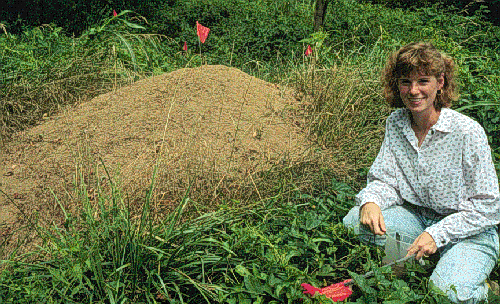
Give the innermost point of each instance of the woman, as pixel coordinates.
(433, 179)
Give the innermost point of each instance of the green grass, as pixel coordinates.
(259, 253)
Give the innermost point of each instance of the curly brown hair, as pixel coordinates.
(425, 59)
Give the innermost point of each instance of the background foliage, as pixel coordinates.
(256, 36)
(462, 7)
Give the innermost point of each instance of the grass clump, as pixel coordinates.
(255, 254)
(342, 105)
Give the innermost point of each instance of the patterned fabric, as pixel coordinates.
(451, 173)
(465, 264)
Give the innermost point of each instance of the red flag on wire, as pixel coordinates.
(336, 292)
(309, 51)
(114, 13)
(185, 47)
(202, 32)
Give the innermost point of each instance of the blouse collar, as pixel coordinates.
(444, 123)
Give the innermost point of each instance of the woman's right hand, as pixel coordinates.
(371, 216)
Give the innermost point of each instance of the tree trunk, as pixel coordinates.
(319, 14)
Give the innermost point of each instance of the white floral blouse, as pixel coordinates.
(452, 173)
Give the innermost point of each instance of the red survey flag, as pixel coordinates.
(185, 47)
(309, 51)
(202, 32)
(336, 292)
(114, 13)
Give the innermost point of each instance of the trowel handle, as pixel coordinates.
(400, 260)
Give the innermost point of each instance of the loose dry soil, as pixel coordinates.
(213, 127)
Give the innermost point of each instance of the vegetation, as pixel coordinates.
(43, 70)
(261, 251)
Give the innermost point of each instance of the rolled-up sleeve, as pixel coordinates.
(382, 184)
(480, 208)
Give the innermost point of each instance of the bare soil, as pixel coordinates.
(211, 129)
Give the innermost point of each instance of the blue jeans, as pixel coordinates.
(465, 264)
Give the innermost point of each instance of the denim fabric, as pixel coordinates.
(463, 266)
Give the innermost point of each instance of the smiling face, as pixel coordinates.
(418, 92)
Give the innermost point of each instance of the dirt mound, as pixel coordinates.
(211, 128)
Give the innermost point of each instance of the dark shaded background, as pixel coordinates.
(77, 15)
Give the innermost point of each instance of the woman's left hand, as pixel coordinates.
(424, 245)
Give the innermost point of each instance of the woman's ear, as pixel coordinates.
(440, 81)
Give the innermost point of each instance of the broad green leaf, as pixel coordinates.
(362, 283)
(133, 25)
(242, 271)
